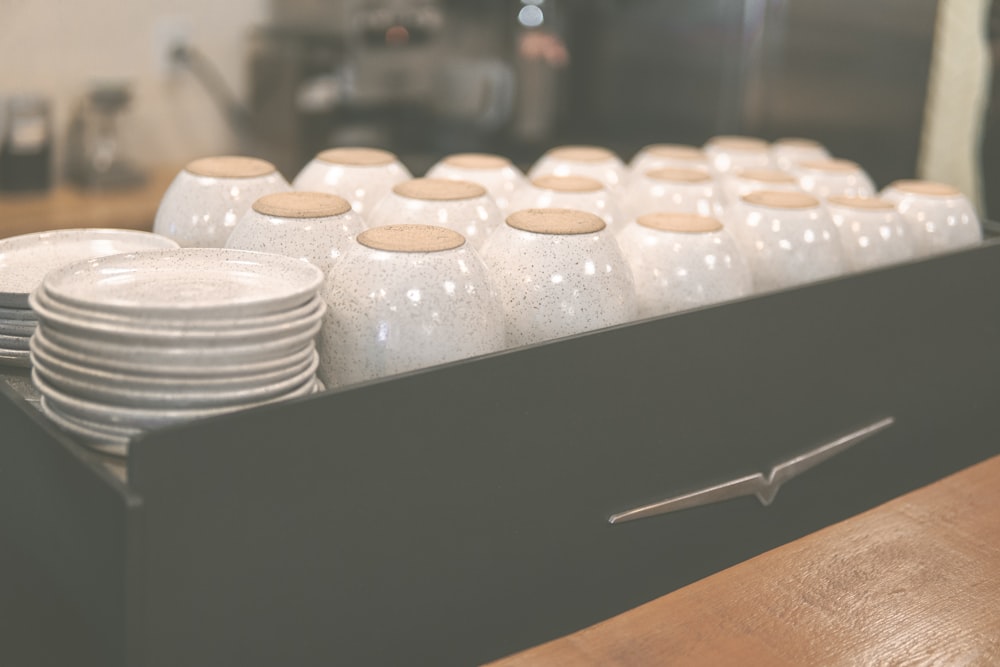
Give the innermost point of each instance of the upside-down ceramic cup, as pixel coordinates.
(362, 176)
(210, 195)
(494, 172)
(681, 261)
(728, 152)
(787, 239)
(787, 152)
(406, 297)
(590, 161)
(559, 272)
(834, 177)
(314, 226)
(744, 180)
(872, 232)
(939, 216)
(675, 156)
(576, 192)
(458, 205)
(673, 190)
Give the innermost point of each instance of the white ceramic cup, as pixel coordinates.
(872, 232)
(939, 216)
(833, 177)
(744, 180)
(675, 156)
(362, 176)
(406, 297)
(314, 226)
(494, 172)
(590, 161)
(728, 152)
(575, 192)
(787, 238)
(210, 195)
(682, 261)
(559, 272)
(788, 151)
(458, 205)
(672, 190)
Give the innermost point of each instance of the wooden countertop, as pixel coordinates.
(66, 207)
(914, 581)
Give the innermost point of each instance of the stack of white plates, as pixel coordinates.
(143, 340)
(24, 261)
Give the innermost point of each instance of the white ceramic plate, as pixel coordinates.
(169, 397)
(14, 342)
(117, 319)
(188, 283)
(10, 357)
(220, 353)
(147, 336)
(17, 314)
(152, 383)
(174, 368)
(103, 440)
(24, 260)
(17, 327)
(145, 418)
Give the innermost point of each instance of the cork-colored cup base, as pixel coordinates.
(485, 161)
(411, 238)
(567, 183)
(562, 221)
(438, 189)
(678, 175)
(685, 223)
(357, 156)
(230, 166)
(864, 203)
(301, 205)
(774, 199)
(929, 188)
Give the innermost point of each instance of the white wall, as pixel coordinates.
(56, 47)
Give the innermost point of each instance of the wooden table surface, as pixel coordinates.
(66, 207)
(913, 582)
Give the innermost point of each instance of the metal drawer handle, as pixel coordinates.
(765, 487)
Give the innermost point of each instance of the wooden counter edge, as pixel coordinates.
(913, 581)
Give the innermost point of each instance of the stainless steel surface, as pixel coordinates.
(757, 484)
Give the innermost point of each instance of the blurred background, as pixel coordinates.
(114, 89)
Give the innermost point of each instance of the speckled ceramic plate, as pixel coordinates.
(187, 283)
(145, 335)
(15, 358)
(99, 318)
(14, 342)
(17, 314)
(220, 367)
(26, 259)
(145, 418)
(17, 327)
(169, 397)
(104, 440)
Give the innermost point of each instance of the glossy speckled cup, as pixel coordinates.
(728, 152)
(494, 172)
(672, 190)
(940, 217)
(872, 232)
(581, 193)
(672, 156)
(591, 161)
(406, 297)
(362, 176)
(210, 195)
(559, 272)
(461, 206)
(787, 152)
(313, 226)
(682, 261)
(834, 177)
(787, 239)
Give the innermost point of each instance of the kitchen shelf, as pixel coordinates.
(459, 514)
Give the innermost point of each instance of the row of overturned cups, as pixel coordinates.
(477, 256)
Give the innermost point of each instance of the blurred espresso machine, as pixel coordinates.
(427, 77)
